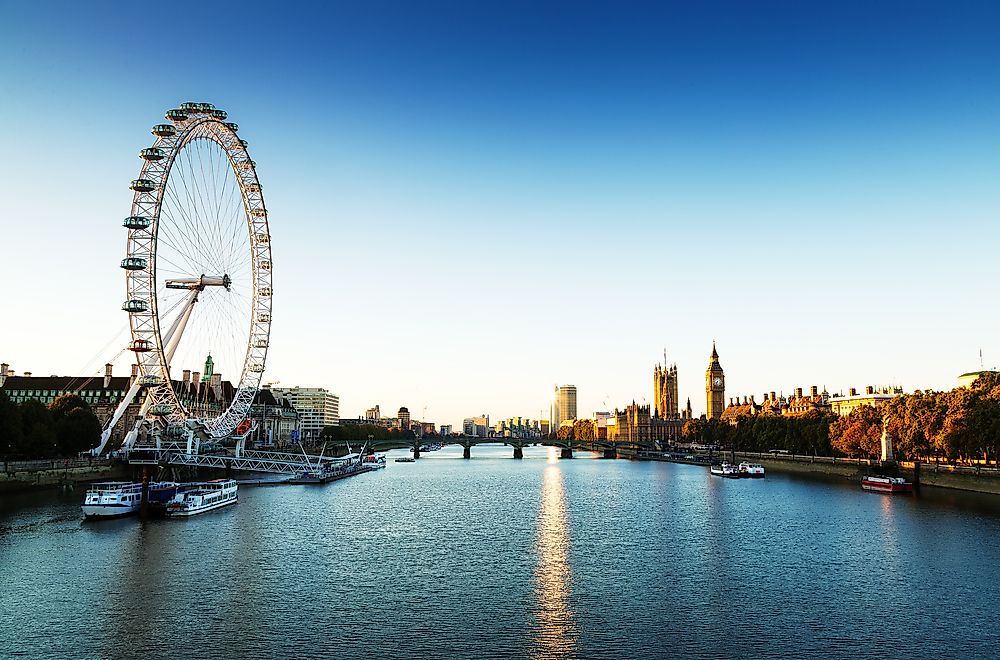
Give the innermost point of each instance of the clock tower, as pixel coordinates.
(715, 387)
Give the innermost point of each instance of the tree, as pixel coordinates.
(691, 431)
(39, 438)
(859, 433)
(77, 431)
(564, 432)
(583, 429)
(76, 426)
(11, 431)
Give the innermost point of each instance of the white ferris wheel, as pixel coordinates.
(197, 271)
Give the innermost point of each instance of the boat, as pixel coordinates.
(202, 497)
(406, 459)
(113, 499)
(727, 470)
(374, 461)
(887, 484)
(751, 470)
(330, 471)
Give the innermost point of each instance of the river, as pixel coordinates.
(498, 558)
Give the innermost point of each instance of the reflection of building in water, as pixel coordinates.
(555, 633)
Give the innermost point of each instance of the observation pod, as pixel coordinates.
(149, 380)
(176, 115)
(263, 318)
(134, 263)
(134, 306)
(143, 185)
(260, 343)
(265, 264)
(257, 368)
(137, 222)
(206, 107)
(258, 213)
(253, 187)
(219, 114)
(264, 292)
(153, 153)
(161, 409)
(263, 238)
(244, 144)
(164, 130)
(141, 346)
(247, 165)
(190, 107)
(231, 126)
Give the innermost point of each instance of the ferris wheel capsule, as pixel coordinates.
(135, 306)
(137, 222)
(134, 263)
(143, 185)
(176, 115)
(160, 409)
(153, 153)
(164, 130)
(140, 346)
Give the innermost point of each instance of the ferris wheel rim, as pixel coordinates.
(199, 121)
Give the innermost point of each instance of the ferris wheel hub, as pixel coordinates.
(199, 282)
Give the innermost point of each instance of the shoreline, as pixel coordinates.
(937, 475)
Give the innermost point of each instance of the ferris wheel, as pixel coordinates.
(197, 272)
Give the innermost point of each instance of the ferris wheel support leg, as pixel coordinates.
(173, 337)
(119, 411)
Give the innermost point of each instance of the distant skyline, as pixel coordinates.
(472, 202)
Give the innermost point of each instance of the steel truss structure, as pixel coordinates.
(154, 345)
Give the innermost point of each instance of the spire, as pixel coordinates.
(715, 353)
(209, 369)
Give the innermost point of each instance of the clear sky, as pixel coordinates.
(472, 201)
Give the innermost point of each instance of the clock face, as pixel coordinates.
(717, 381)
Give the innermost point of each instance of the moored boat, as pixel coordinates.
(203, 497)
(330, 471)
(113, 499)
(751, 470)
(374, 461)
(406, 459)
(727, 470)
(887, 484)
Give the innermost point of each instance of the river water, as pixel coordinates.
(497, 558)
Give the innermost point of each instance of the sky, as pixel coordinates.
(472, 202)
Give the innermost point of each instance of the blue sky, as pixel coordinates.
(473, 201)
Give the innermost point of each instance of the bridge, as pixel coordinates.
(609, 448)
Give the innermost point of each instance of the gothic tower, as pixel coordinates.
(715, 387)
(665, 401)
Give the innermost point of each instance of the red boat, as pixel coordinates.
(887, 484)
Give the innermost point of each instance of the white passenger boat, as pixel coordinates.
(203, 497)
(751, 470)
(112, 499)
(727, 470)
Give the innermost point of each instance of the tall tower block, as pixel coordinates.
(715, 387)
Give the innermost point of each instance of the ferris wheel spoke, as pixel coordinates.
(186, 230)
(191, 213)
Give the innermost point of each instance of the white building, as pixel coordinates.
(317, 408)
